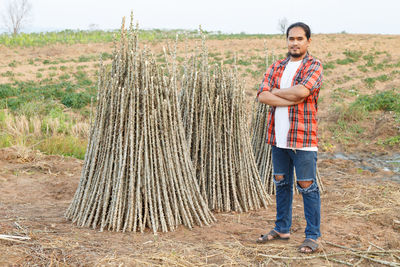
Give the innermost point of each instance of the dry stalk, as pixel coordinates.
(137, 172)
(212, 108)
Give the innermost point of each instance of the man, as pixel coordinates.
(291, 87)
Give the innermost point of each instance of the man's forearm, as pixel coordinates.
(271, 99)
(294, 93)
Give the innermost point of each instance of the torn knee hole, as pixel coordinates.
(278, 177)
(305, 184)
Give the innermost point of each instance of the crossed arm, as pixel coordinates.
(284, 97)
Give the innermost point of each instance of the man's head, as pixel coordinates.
(298, 36)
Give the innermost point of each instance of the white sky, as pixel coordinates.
(250, 16)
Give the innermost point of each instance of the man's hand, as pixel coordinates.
(295, 93)
(271, 99)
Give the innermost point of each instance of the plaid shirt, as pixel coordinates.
(302, 117)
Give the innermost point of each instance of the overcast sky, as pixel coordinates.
(234, 16)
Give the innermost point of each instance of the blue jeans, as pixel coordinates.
(305, 163)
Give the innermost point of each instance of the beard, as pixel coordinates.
(295, 55)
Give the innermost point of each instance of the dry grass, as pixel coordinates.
(171, 253)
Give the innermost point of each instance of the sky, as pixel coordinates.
(228, 16)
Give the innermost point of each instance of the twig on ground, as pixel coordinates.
(14, 238)
(372, 244)
(340, 261)
(388, 263)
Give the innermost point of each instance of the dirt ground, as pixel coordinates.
(360, 211)
(360, 208)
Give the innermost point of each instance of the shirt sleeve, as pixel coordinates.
(312, 78)
(268, 82)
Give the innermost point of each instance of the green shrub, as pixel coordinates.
(6, 90)
(243, 62)
(13, 64)
(328, 65)
(76, 100)
(370, 60)
(8, 74)
(64, 77)
(14, 103)
(106, 56)
(82, 78)
(387, 100)
(85, 58)
(351, 57)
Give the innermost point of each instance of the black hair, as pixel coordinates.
(302, 25)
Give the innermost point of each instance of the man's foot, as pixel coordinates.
(308, 246)
(273, 235)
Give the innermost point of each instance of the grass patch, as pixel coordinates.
(392, 141)
(370, 81)
(329, 65)
(46, 62)
(351, 57)
(8, 74)
(84, 37)
(13, 64)
(64, 145)
(55, 133)
(64, 77)
(74, 95)
(106, 56)
(76, 100)
(386, 101)
(86, 58)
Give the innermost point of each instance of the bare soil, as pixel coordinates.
(359, 211)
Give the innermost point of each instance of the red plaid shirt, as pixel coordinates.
(302, 117)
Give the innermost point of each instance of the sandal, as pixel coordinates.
(309, 243)
(275, 236)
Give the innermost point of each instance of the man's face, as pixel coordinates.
(297, 43)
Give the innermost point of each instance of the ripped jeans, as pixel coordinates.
(305, 164)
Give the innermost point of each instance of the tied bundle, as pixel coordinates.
(137, 172)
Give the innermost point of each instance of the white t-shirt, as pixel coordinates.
(282, 123)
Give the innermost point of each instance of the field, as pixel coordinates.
(47, 98)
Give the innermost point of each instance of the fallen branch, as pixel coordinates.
(14, 238)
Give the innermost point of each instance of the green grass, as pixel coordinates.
(13, 64)
(64, 145)
(351, 57)
(64, 77)
(75, 95)
(347, 126)
(329, 65)
(8, 74)
(370, 81)
(243, 62)
(386, 101)
(87, 58)
(391, 141)
(84, 37)
(370, 60)
(362, 68)
(52, 138)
